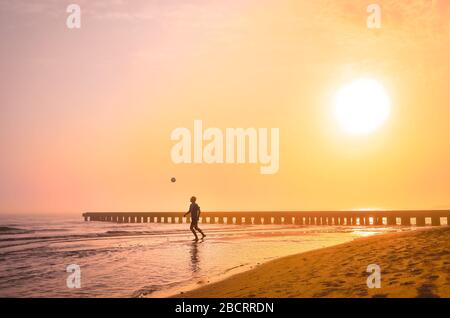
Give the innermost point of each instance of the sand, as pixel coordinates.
(413, 264)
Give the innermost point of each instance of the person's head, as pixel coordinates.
(193, 199)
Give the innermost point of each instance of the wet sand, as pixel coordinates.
(413, 264)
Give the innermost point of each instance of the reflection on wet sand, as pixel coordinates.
(194, 256)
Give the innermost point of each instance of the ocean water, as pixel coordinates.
(136, 260)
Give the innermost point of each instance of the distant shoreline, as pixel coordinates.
(413, 264)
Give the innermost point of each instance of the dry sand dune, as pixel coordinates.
(413, 264)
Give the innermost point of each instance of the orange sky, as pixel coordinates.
(86, 115)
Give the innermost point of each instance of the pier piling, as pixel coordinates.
(307, 218)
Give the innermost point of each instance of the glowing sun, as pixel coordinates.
(362, 106)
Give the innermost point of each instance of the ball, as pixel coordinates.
(173, 179)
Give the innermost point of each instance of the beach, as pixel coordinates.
(144, 259)
(412, 264)
(161, 260)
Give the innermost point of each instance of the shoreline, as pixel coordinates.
(205, 280)
(414, 263)
(201, 282)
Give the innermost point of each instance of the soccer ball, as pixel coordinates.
(173, 179)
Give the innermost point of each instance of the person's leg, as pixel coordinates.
(193, 225)
(201, 232)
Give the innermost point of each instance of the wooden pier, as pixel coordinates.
(362, 218)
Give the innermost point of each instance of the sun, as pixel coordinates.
(362, 106)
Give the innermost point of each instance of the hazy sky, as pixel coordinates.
(86, 114)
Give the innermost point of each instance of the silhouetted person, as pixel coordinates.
(194, 210)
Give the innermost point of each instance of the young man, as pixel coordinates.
(194, 210)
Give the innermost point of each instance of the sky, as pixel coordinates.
(86, 114)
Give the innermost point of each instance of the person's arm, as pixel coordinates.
(199, 212)
(187, 212)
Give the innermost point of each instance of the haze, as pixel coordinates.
(86, 115)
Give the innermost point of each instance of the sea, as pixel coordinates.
(57, 256)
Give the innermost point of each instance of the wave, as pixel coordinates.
(51, 230)
(121, 233)
(4, 230)
(77, 236)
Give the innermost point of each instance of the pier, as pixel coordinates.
(351, 218)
